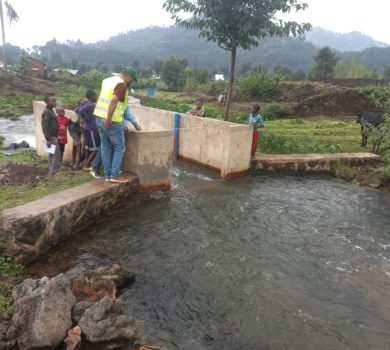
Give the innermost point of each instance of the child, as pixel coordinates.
(63, 122)
(257, 121)
(199, 110)
(50, 129)
(75, 133)
(90, 130)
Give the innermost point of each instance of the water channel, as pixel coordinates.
(15, 131)
(254, 263)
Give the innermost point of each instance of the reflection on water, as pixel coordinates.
(254, 263)
(16, 131)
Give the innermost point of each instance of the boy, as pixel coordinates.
(63, 122)
(50, 129)
(75, 134)
(199, 110)
(257, 121)
(90, 130)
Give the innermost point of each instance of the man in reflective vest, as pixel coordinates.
(109, 110)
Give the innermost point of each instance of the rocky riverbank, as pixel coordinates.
(75, 310)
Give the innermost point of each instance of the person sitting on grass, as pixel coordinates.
(90, 130)
(50, 131)
(63, 122)
(257, 121)
(199, 109)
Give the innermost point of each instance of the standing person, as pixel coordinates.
(257, 121)
(127, 116)
(90, 130)
(109, 109)
(63, 122)
(199, 109)
(75, 133)
(50, 129)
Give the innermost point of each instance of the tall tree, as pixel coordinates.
(234, 24)
(13, 17)
(325, 64)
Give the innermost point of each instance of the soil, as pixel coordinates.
(21, 173)
(13, 84)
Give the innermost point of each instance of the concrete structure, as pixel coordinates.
(32, 229)
(35, 68)
(306, 163)
(148, 153)
(216, 144)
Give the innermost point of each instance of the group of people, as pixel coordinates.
(97, 130)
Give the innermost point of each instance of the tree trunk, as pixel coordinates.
(231, 83)
(3, 35)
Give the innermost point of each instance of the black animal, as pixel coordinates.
(371, 120)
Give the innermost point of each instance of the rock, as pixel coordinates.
(119, 275)
(192, 345)
(12, 333)
(9, 345)
(3, 331)
(23, 144)
(5, 316)
(73, 340)
(13, 146)
(92, 290)
(79, 309)
(42, 312)
(106, 321)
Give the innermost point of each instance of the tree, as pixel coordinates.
(324, 64)
(234, 24)
(173, 73)
(13, 17)
(386, 73)
(22, 63)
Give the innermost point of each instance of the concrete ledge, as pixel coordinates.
(32, 229)
(306, 163)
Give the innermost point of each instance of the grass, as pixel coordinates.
(11, 196)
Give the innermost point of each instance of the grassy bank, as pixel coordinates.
(13, 195)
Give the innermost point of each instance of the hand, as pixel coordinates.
(48, 144)
(107, 123)
(137, 127)
(126, 129)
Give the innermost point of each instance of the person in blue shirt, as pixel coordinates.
(127, 116)
(257, 121)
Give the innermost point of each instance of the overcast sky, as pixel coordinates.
(94, 20)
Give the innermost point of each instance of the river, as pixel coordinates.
(253, 263)
(19, 130)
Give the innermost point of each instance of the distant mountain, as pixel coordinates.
(354, 41)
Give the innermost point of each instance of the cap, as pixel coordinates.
(131, 71)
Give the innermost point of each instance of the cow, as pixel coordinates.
(221, 100)
(368, 121)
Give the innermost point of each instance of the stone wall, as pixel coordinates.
(32, 229)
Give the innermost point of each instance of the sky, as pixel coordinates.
(94, 20)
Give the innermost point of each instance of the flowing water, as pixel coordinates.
(19, 130)
(253, 263)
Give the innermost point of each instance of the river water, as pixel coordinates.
(253, 263)
(19, 130)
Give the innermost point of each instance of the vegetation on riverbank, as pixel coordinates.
(18, 194)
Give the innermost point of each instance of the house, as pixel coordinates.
(74, 72)
(219, 77)
(1, 64)
(35, 68)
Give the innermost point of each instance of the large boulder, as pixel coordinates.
(105, 321)
(42, 312)
(85, 289)
(119, 275)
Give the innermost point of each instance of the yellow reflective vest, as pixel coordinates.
(101, 108)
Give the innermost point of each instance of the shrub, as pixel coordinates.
(273, 111)
(258, 84)
(385, 173)
(378, 94)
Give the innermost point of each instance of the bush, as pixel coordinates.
(385, 174)
(378, 94)
(144, 83)
(258, 84)
(273, 111)
(168, 105)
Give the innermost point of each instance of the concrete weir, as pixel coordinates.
(309, 163)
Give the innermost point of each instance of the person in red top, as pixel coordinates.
(63, 122)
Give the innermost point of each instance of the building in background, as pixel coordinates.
(35, 68)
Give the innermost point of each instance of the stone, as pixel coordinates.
(9, 345)
(119, 275)
(73, 340)
(92, 290)
(79, 309)
(106, 321)
(23, 144)
(42, 312)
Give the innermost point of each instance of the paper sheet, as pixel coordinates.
(50, 150)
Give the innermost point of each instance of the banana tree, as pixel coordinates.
(13, 17)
